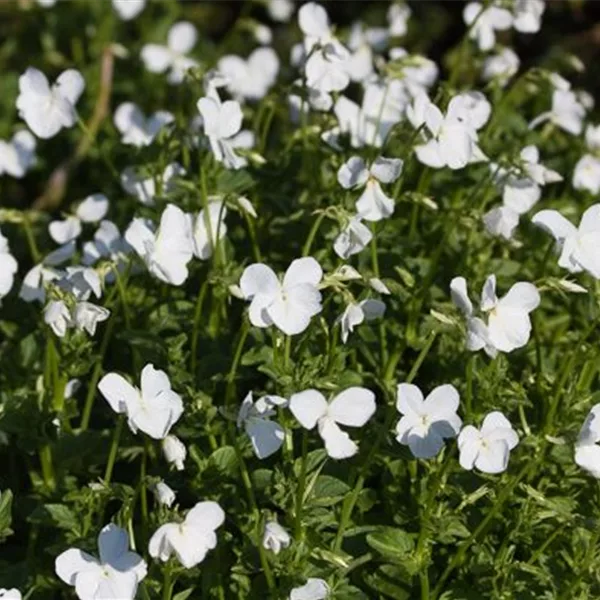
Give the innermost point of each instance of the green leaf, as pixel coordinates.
(224, 460)
(183, 595)
(328, 491)
(55, 515)
(391, 543)
(6, 499)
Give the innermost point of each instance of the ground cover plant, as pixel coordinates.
(293, 310)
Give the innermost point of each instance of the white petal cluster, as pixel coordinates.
(355, 314)
(508, 324)
(587, 450)
(18, 155)
(275, 537)
(352, 407)
(313, 589)
(137, 130)
(251, 78)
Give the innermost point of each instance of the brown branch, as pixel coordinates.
(57, 182)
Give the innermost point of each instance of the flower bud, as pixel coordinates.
(275, 537)
(164, 494)
(174, 451)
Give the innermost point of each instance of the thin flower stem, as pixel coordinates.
(383, 351)
(312, 233)
(114, 446)
(469, 394)
(33, 249)
(168, 583)
(236, 363)
(196, 327)
(252, 233)
(143, 490)
(350, 501)
(298, 530)
(47, 466)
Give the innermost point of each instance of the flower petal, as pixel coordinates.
(353, 407)
(308, 407)
(409, 399)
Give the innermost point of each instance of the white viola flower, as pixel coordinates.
(592, 137)
(501, 66)
(359, 64)
(587, 450)
(587, 174)
(128, 9)
(58, 317)
(397, 16)
(528, 15)
(33, 286)
(288, 304)
(209, 227)
(86, 316)
(164, 494)
(174, 451)
(144, 188)
(66, 230)
(355, 314)
(353, 239)
(262, 34)
(116, 575)
(280, 10)
(419, 73)
(487, 448)
(167, 252)
(453, 141)
(275, 537)
(221, 122)
(173, 57)
(12, 594)
(91, 210)
(81, 282)
(426, 423)
(578, 246)
(373, 204)
(137, 130)
(108, 244)
(484, 21)
(501, 221)
(313, 589)
(191, 540)
(250, 78)
(353, 407)
(153, 409)
(18, 155)
(508, 325)
(8, 267)
(325, 66)
(315, 99)
(255, 417)
(567, 112)
(45, 109)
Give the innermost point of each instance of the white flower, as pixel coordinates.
(251, 78)
(32, 288)
(313, 589)
(353, 407)
(58, 317)
(116, 575)
(167, 252)
(172, 57)
(592, 137)
(164, 494)
(191, 540)
(209, 227)
(154, 409)
(174, 451)
(266, 436)
(87, 316)
(397, 16)
(275, 537)
(419, 73)
(485, 21)
(8, 267)
(45, 109)
(221, 122)
(587, 450)
(587, 174)
(288, 304)
(578, 246)
(108, 243)
(355, 314)
(18, 155)
(508, 326)
(144, 188)
(487, 448)
(373, 204)
(128, 9)
(454, 135)
(567, 112)
(12, 594)
(501, 66)
(137, 130)
(353, 239)
(379, 286)
(325, 68)
(528, 15)
(81, 282)
(280, 10)
(426, 423)
(90, 210)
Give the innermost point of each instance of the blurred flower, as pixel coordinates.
(280, 10)
(484, 21)
(18, 155)
(397, 16)
(12, 594)
(501, 66)
(275, 537)
(116, 574)
(154, 409)
(87, 316)
(191, 540)
(313, 589)
(58, 317)
(174, 451)
(137, 130)
(355, 314)
(587, 451)
(128, 9)
(567, 112)
(587, 174)
(90, 210)
(45, 109)
(487, 448)
(144, 188)
(353, 407)
(8, 267)
(209, 228)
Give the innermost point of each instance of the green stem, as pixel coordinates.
(196, 327)
(312, 233)
(45, 454)
(33, 249)
(236, 363)
(114, 446)
(469, 394)
(299, 532)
